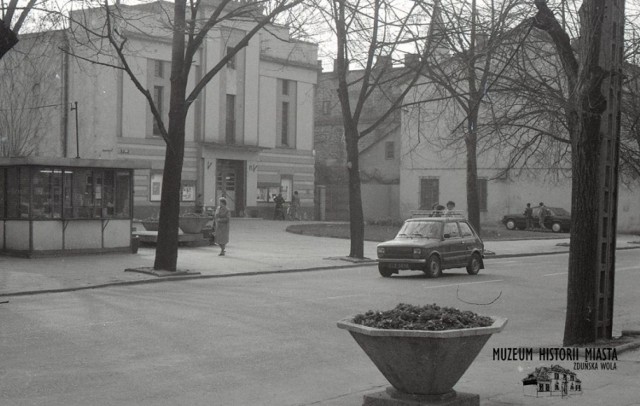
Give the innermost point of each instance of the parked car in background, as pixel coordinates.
(431, 244)
(558, 220)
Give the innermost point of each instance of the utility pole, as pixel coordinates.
(610, 60)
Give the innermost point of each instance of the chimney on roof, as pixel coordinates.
(384, 62)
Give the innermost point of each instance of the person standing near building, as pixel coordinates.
(542, 215)
(295, 206)
(222, 217)
(278, 214)
(528, 217)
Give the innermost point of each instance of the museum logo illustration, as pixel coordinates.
(552, 381)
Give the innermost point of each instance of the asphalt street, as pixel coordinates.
(272, 339)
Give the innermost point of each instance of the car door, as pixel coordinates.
(452, 244)
(469, 242)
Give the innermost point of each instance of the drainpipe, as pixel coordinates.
(65, 96)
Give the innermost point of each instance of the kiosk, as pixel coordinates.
(59, 206)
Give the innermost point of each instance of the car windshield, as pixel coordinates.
(559, 212)
(420, 229)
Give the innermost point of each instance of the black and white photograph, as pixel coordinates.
(319, 202)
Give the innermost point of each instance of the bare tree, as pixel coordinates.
(369, 36)
(466, 39)
(188, 24)
(529, 116)
(15, 14)
(28, 85)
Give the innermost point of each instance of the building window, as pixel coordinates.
(17, 193)
(231, 63)
(187, 189)
(286, 187)
(284, 133)
(389, 150)
(429, 193)
(231, 119)
(286, 113)
(158, 100)
(158, 69)
(2, 192)
(267, 191)
(68, 193)
(482, 194)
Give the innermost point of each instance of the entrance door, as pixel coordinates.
(230, 184)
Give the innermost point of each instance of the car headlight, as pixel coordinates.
(417, 252)
(380, 251)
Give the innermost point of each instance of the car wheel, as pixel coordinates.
(556, 227)
(475, 262)
(433, 268)
(384, 271)
(511, 224)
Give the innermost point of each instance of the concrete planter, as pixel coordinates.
(192, 224)
(420, 362)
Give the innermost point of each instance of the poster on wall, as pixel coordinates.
(156, 187)
(189, 191)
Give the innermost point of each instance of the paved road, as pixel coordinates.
(271, 339)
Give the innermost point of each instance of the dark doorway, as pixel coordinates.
(230, 183)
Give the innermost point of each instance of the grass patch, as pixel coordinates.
(379, 233)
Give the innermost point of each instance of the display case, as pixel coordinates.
(52, 206)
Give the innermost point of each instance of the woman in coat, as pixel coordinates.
(222, 225)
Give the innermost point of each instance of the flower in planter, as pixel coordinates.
(429, 317)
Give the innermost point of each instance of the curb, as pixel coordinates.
(181, 278)
(535, 254)
(252, 273)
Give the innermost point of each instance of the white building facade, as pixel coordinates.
(249, 134)
(434, 171)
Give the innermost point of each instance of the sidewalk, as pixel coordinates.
(256, 246)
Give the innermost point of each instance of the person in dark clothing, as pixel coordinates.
(528, 216)
(278, 214)
(295, 206)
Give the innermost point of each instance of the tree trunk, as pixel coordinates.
(8, 38)
(471, 144)
(356, 217)
(167, 245)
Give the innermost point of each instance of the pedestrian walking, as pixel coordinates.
(278, 214)
(295, 206)
(222, 217)
(528, 217)
(542, 215)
